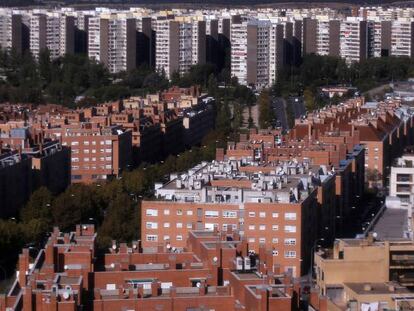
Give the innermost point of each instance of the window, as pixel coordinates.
(275, 252)
(152, 225)
(251, 240)
(229, 214)
(275, 240)
(290, 254)
(179, 212)
(166, 237)
(275, 227)
(252, 214)
(189, 225)
(75, 143)
(262, 240)
(152, 237)
(108, 142)
(275, 215)
(262, 214)
(291, 229)
(179, 224)
(290, 241)
(189, 213)
(102, 142)
(211, 214)
(152, 212)
(179, 237)
(252, 227)
(166, 224)
(75, 159)
(166, 212)
(290, 216)
(262, 227)
(86, 143)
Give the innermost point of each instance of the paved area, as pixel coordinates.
(279, 110)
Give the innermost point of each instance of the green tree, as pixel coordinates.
(39, 206)
(309, 99)
(122, 221)
(265, 111)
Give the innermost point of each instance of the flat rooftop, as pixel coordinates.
(377, 288)
(392, 225)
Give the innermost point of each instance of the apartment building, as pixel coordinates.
(10, 30)
(401, 181)
(354, 37)
(402, 36)
(24, 171)
(112, 41)
(180, 43)
(167, 46)
(215, 271)
(275, 206)
(309, 36)
(277, 51)
(97, 153)
(364, 273)
(45, 33)
(382, 128)
(67, 35)
(327, 37)
(251, 56)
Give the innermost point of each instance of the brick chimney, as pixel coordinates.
(23, 266)
(27, 298)
(155, 289)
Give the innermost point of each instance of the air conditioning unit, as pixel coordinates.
(239, 263)
(247, 264)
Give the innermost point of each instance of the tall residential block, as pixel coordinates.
(112, 41)
(10, 30)
(354, 40)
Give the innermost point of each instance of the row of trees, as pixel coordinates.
(60, 81)
(316, 71)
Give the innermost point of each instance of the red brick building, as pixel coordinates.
(214, 271)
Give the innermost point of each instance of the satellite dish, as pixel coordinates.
(84, 227)
(215, 259)
(198, 284)
(134, 246)
(375, 235)
(114, 246)
(168, 246)
(112, 265)
(65, 267)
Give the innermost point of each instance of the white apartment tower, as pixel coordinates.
(250, 52)
(45, 33)
(10, 30)
(112, 41)
(179, 44)
(402, 37)
(67, 35)
(354, 39)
